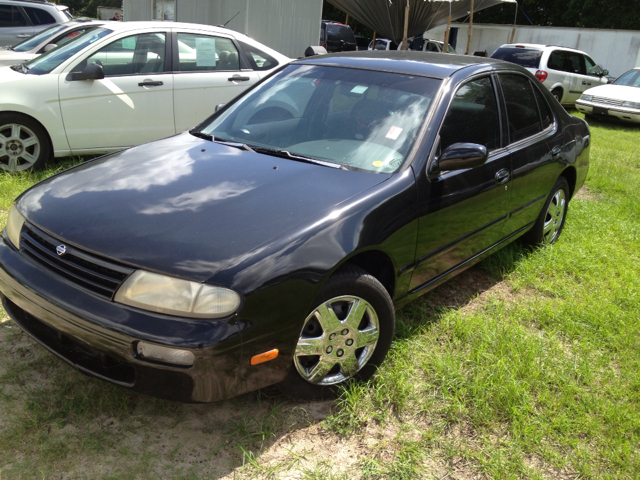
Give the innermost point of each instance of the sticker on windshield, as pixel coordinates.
(360, 89)
(394, 133)
(377, 163)
(205, 52)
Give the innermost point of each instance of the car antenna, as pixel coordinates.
(222, 26)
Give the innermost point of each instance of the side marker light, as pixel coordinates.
(264, 357)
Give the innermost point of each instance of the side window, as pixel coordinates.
(592, 68)
(545, 112)
(134, 55)
(198, 53)
(258, 59)
(522, 109)
(556, 61)
(11, 16)
(472, 116)
(577, 63)
(39, 16)
(432, 47)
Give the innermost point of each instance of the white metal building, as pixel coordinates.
(614, 50)
(287, 26)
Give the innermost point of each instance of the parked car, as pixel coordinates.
(118, 85)
(54, 36)
(19, 19)
(362, 42)
(421, 44)
(383, 44)
(621, 99)
(273, 242)
(566, 72)
(337, 37)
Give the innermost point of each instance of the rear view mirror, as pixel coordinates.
(460, 156)
(93, 71)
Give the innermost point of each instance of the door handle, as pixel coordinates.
(150, 84)
(23, 35)
(502, 176)
(555, 153)
(584, 82)
(239, 79)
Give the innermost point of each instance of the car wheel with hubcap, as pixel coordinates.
(550, 222)
(24, 144)
(557, 93)
(346, 336)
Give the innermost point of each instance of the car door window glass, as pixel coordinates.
(11, 17)
(577, 63)
(592, 68)
(206, 53)
(472, 116)
(545, 113)
(522, 110)
(39, 16)
(432, 47)
(134, 55)
(258, 59)
(32, 42)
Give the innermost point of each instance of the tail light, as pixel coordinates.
(541, 75)
(324, 45)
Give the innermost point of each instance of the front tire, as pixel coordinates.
(24, 143)
(345, 336)
(550, 222)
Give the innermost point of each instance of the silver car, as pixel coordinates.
(20, 19)
(52, 37)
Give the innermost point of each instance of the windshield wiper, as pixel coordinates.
(204, 136)
(21, 67)
(229, 143)
(294, 156)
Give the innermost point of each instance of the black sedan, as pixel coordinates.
(273, 243)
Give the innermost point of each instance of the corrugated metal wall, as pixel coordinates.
(614, 50)
(288, 26)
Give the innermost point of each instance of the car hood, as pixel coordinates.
(616, 92)
(185, 206)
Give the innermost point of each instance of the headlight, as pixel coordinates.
(173, 296)
(14, 225)
(586, 98)
(631, 105)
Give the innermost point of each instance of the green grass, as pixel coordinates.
(530, 372)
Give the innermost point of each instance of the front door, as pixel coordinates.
(208, 73)
(133, 104)
(464, 211)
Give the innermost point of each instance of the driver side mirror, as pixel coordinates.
(460, 156)
(605, 73)
(219, 106)
(93, 71)
(50, 46)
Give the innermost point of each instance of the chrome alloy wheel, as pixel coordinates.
(19, 147)
(337, 340)
(554, 217)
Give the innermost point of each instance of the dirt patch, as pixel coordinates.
(585, 194)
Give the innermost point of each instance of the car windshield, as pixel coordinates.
(46, 62)
(522, 56)
(629, 79)
(356, 119)
(32, 42)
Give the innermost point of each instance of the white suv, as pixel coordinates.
(566, 72)
(19, 19)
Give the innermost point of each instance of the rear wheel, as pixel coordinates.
(550, 222)
(346, 336)
(557, 93)
(24, 144)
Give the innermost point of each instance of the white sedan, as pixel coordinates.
(122, 84)
(620, 99)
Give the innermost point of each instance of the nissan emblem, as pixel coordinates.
(61, 250)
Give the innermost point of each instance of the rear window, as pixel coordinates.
(341, 32)
(39, 17)
(522, 56)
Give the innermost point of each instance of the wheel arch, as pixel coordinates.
(571, 176)
(377, 264)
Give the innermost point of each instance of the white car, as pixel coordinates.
(621, 99)
(54, 36)
(565, 72)
(420, 44)
(122, 84)
(19, 19)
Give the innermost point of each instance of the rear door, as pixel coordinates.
(208, 70)
(133, 104)
(14, 25)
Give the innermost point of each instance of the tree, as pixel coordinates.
(616, 14)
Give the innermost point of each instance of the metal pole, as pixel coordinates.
(406, 26)
(446, 33)
(515, 20)
(470, 30)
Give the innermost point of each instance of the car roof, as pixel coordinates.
(426, 64)
(538, 46)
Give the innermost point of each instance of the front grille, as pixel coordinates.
(607, 101)
(89, 271)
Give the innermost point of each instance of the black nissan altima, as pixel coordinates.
(272, 243)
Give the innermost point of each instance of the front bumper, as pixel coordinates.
(603, 110)
(98, 337)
